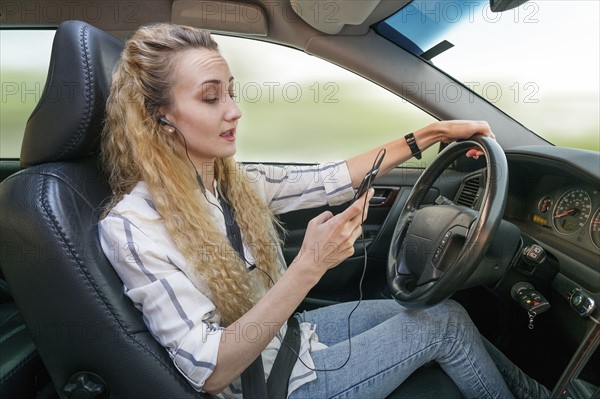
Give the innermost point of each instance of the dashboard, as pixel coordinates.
(554, 200)
(554, 196)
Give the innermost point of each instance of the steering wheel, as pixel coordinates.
(435, 249)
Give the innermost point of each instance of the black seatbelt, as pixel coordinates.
(278, 382)
(253, 378)
(234, 234)
(253, 381)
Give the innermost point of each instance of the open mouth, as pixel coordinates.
(228, 134)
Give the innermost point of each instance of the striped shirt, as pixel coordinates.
(175, 303)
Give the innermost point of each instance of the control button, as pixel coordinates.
(581, 302)
(534, 254)
(436, 255)
(445, 239)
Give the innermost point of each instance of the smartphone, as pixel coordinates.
(367, 181)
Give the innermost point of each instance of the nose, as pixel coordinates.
(233, 112)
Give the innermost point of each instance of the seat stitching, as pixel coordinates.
(81, 266)
(85, 55)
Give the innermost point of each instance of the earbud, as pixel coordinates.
(167, 122)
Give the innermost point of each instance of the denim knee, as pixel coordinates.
(454, 318)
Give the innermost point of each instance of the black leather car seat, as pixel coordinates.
(88, 334)
(91, 339)
(22, 373)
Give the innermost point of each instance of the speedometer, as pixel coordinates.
(572, 211)
(595, 229)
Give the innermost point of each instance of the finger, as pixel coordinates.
(321, 218)
(365, 212)
(357, 233)
(361, 201)
(363, 204)
(474, 153)
(353, 210)
(485, 130)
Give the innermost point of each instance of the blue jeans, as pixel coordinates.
(389, 342)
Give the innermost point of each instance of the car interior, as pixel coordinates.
(524, 218)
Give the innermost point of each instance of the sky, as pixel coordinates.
(552, 24)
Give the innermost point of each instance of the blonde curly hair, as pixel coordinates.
(135, 148)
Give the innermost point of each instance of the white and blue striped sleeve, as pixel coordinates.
(177, 314)
(292, 187)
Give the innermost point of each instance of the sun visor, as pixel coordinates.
(221, 16)
(330, 16)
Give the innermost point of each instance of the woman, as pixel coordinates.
(193, 237)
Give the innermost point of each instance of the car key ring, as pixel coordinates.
(531, 314)
(530, 299)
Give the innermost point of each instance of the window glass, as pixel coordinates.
(296, 107)
(538, 62)
(299, 108)
(24, 59)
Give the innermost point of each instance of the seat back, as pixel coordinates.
(71, 299)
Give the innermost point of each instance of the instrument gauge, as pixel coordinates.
(572, 211)
(545, 205)
(595, 229)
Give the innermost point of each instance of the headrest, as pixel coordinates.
(67, 122)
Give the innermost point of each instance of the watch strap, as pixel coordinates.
(412, 144)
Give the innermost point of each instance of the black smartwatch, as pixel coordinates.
(412, 144)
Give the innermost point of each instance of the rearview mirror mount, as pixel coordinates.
(504, 5)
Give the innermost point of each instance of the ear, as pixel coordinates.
(165, 111)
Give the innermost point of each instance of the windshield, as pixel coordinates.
(538, 63)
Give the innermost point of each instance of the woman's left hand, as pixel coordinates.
(454, 130)
(462, 129)
(398, 151)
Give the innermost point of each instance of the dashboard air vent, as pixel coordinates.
(469, 192)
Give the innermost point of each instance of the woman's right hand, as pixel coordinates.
(329, 238)
(328, 241)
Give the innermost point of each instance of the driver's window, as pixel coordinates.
(298, 108)
(24, 59)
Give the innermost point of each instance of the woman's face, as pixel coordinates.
(202, 105)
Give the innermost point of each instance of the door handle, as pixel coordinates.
(384, 196)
